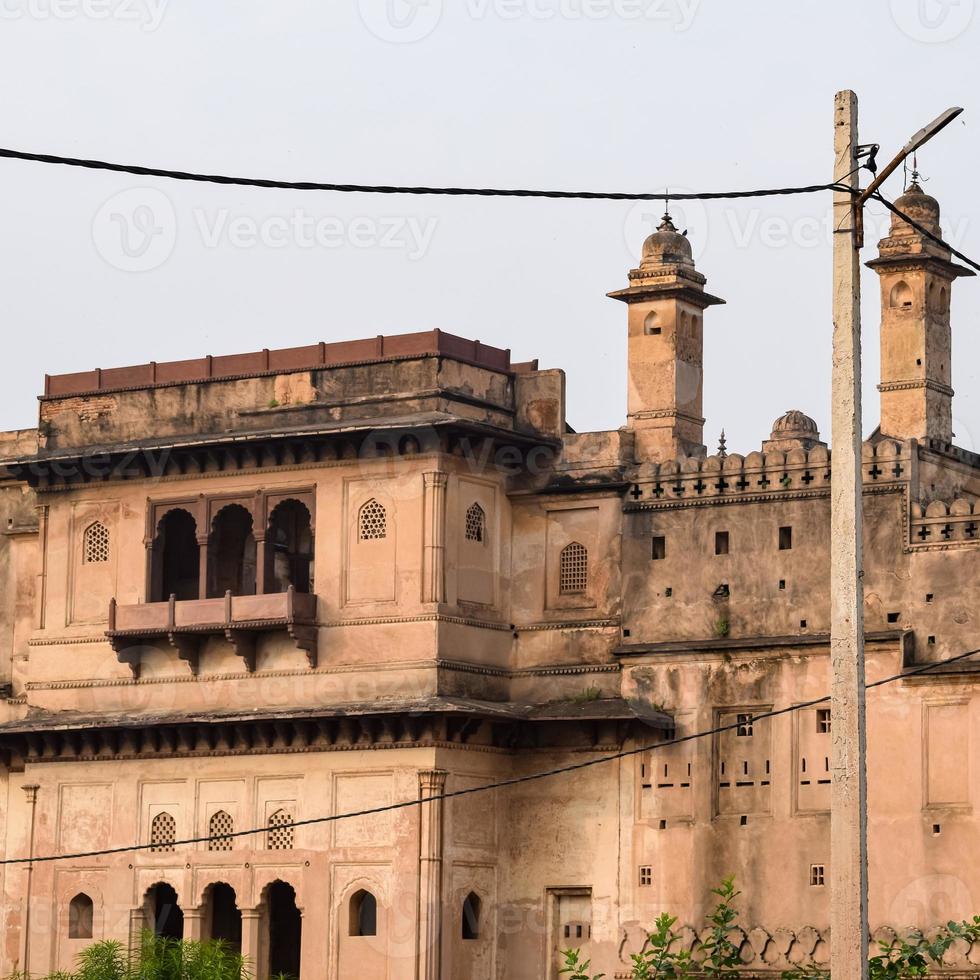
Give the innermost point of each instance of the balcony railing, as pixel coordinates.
(186, 624)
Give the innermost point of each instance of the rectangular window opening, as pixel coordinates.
(744, 726)
(646, 875)
(782, 585)
(817, 875)
(823, 721)
(721, 542)
(785, 538)
(893, 617)
(659, 548)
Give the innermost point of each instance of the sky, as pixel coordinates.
(101, 269)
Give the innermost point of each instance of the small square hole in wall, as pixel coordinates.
(668, 592)
(659, 548)
(626, 632)
(931, 641)
(785, 538)
(893, 617)
(817, 875)
(646, 875)
(802, 624)
(743, 821)
(721, 542)
(929, 597)
(782, 585)
(937, 829)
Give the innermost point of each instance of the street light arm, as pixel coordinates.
(921, 137)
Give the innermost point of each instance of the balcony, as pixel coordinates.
(187, 624)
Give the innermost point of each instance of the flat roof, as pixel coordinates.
(228, 367)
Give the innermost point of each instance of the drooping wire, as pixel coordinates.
(925, 231)
(139, 171)
(500, 784)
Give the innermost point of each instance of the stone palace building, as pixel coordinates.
(245, 592)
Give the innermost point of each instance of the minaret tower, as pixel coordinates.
(916, 282)
(666, 301)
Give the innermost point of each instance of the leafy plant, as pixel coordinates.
(722, 628)
(158, 959)
(578, 968)
(584, 697)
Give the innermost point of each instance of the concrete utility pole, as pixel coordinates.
(849, 813)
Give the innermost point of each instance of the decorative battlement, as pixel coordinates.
(798, 471)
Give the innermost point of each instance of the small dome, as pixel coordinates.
(795, 425)
(667, 246)
(920, 207)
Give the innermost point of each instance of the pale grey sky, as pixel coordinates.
(578, 94)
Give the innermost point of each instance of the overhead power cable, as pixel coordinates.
(308, 185)
(489, 787)
(925, 231)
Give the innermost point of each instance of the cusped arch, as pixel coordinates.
(372, 521)
(901, 296)
(176, 513)
(273, 878)
(95, 544)
(476, 523)
(362, 913)
(471, 917)
(81, 917)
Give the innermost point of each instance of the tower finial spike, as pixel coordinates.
(722, 446)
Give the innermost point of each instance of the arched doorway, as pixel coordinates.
(231, 553)
(223, 919)
(164, 915)
(176, 558)
(285, 930)
(289, 548)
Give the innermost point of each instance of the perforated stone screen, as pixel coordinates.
(373, 522)
(475, 523)
(163, 833)
(221, 823)
(96, 547)
(280, 836)
(573, 578)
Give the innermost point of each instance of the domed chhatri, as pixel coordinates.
(793, 430)
(920, 207)
(666, 246)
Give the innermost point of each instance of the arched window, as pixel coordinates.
(471, 916)
(363, 914)
(901, 296)
(95, 544)
(176, 557)
(231, 553)
(220, 825)
(289, 548)
(651, 324)
(163, 833)
(372, 521)
(943, 300)
(476, 523)
(80, 915)
(280, 834)
(573, 572)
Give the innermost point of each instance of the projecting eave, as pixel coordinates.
(224, 450)
(941, 266)
(695, 297)
(602, 709)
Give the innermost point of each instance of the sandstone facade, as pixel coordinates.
(253, 591)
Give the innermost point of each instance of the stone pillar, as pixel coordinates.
(194, 923)
(251, 920)
(137, 925)
(202, 572)
(260, 570)
(432, 782)
(434, 537)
